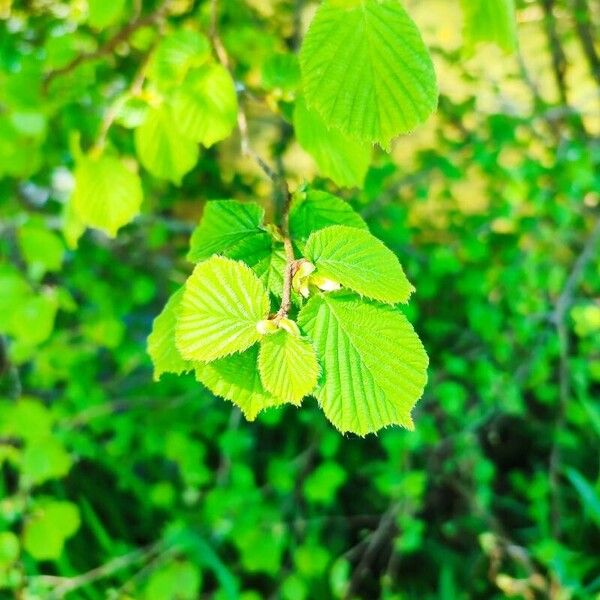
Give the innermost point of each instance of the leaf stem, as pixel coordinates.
(286, 295)
(246, 148)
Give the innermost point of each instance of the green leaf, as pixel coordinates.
(322, 484)
(338, 157)
(50, 525)
(281, 72)
(107, 194)
(179, 580)
(590, 498)
(161, 341)
(288, 366)
(44, 460)
(490, 21)
(162, 148)
(32, 321)
(374, 365)
(359, 261)
(234, 229)
(205, 106)
(41, 248)
(222, 302)
(236, 378)
(230, 228)
(102, 14)
(366, 70)
(175, 55)
(314, 210)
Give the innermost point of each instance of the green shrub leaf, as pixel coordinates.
(313, 210)
(107, 194)
(206, 107)
(222, 302)
(50, 525)
(366, 70)
(358, 261)
(175, 55)
(490, 21)
(374, 365)
(288, 366)
(230, 228)
(162, 148)
(236, 378)
(338, 157)
(161, 341)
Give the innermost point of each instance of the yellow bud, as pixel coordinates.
(266, 327)
(290, 326)
(300, 279)
(324, 284)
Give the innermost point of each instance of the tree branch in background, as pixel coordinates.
(562, 306)
(585, 31)
(122, 36)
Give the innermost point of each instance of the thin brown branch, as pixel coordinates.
(107, 48)
(64, 585)
(562, 306)
(278, 179)
(585, 32)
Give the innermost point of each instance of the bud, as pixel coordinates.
(325, 284)
(290, 326)
(301, 277)
(266, 327)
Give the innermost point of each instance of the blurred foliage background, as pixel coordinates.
(113, 486)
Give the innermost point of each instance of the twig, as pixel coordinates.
(584, 26)
(106, 49)
(559, 318)
(377, 539)
(247, 150)
(111, 114)
(65, 585)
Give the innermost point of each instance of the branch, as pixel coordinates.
(585, 31)
(65, 585)
(278, 179)
(562, 305)
(122, 36)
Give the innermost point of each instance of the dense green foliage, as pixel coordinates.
(162, 163)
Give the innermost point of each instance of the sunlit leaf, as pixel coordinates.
(288, 366)
(162, 147)
(222, 302)
(107, 195)
(338, 157)
(366, 70)
(358, 261)
(374, 367)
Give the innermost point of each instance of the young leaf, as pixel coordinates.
(234, 229)
(103, 14)
(288, 366)
(366, 70)
(236, 378)
(107, 194)
(358, 261)
(314, 210)
(374, 365)
(222, 302)
(162, 148)
(230, 228)
(175, 55)
(161, 341)
(338, 157)
(206, 107)
(490, 21)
